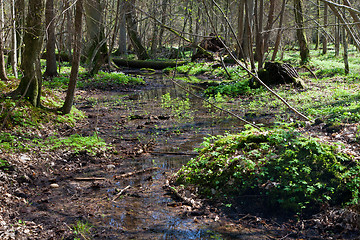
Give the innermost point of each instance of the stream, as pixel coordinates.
(152, 136)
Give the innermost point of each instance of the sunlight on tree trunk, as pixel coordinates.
(3, 75)
(30, 84)
(51, 68)
(300, 32)
(76, 59)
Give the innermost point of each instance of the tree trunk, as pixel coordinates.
(131, 24)
(30, 84)
(317, 32)
(163, 21)
(241, 26)
(20, 23)
(337, 36)
(324, 38)
(3, 75)
(14, 61)
(346, 54)
(76, 59)
(96, 42)
(51, 68)
(300, 32)
(155, 32)
(69, 28)
(279, 32)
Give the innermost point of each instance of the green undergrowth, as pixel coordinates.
(285, 170)
(102, 80)
(110, 80)
(76, 143)
(36, 129)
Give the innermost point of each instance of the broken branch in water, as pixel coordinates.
(136, 172)
(122, 191)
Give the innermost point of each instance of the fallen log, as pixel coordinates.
(125, 175)
(154, 64)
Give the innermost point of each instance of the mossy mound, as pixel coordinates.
(286, 171)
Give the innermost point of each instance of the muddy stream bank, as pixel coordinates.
(151, 142)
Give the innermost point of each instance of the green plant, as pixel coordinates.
(291, 172)
(106, 80)
(76, 143)
(180, 108)
(82, 229)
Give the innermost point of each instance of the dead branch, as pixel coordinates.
(125, 175)
(122, 191)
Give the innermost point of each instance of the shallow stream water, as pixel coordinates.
(159, 138)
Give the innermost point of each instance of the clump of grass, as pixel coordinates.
(111, 80)
(191, 68)
(290, 172)
(232, 89)
(76, 143)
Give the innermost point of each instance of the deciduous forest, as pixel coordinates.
(164, 119)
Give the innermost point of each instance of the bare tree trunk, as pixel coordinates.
(317, 32)
(324, 38)
(279, 32)
(163, 21)
(20, 23)
(346, 54)
(337, 36)
(69, 29)
(131, 24)
(300, 31)
(96, 45)
(241, 26)
(3, 75)
(30, 84)
(14, 41)
(76, 59)
(247, 43)
(154, 38)
(51, 68)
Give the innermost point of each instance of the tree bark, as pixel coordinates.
(51, 68)
(346, 54)
(30, 84)
(14, 52)
(3, 75)
(131, 25)
(69, 28)
(241, 26)
(96, 42)
(69, 100)
(300, 31)
(324, 38)
(20, 23)
(163, 21)
(279, 32)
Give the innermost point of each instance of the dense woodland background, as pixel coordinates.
(164, 29)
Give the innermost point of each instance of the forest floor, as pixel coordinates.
(65, 195)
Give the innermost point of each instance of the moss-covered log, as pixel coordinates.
(146, 64)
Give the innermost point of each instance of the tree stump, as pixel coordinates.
(276, 73)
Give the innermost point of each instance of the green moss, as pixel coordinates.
(291, 172)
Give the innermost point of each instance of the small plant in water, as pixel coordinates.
(180, 108)
(82, 230)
